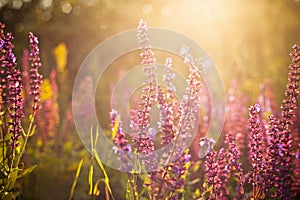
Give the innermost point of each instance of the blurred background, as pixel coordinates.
(249, 41)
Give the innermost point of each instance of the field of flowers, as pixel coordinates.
(44, 154)
(259, 157)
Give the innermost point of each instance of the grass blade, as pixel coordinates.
(76, 178)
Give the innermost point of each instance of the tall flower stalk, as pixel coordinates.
(176, 119)
(12, 130)
(13, 86)
(142, 134)
(288, 114)
(256, 151)
(35, 76)
(271, 156)
(220, 167)
(274, 169)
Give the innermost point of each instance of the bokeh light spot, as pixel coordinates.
(46, 3)
(66, 7)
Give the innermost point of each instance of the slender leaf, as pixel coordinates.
(12, 178)
(104, 172)
(27, 171)
(116, 125)
(76, 178)
(96, 191)
(32, 132)
(91, 172)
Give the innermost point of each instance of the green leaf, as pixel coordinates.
(18, 148)
(91, 179)
(116, 125)
(8, 196)
(96, 191)
(3, 153)
(8, 136)
(4, 168)
(103, 170)
(96, 156)
(32, 132)
(76, 178)
(12, 177)
(27, 171)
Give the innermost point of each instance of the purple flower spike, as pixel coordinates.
(13, 86)
(123, 149)
(35, 76)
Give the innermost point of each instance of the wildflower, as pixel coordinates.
(233, 154)
(35, 76)
(14, 89)
(168, 105)
(189, 105)
(256, 151)
(289, 106)
(206, 145)
(123, 147)
(147, 53)
(296, 178)
(178, 182)
(142, 138)
(2, 59)
(211, 173)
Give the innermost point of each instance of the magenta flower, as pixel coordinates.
(123, 148)
(211, 172)
(13, 84)
(289, 107)
(140, 122)
(296, 178)
(233, 156)
(256, 151)
(35, 76)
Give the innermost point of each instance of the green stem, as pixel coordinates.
(27, 135)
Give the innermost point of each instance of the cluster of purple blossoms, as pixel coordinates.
(11, 83)
(296, 178)
(123, 149)
(140, 123)
(176, 122)
(35, 76)
(219, 167)
(255, 145)
(211, 172)
(288, 114)
(168, 105)
(233, 156)
(273, 165)
(271, 156)
(12, 88)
